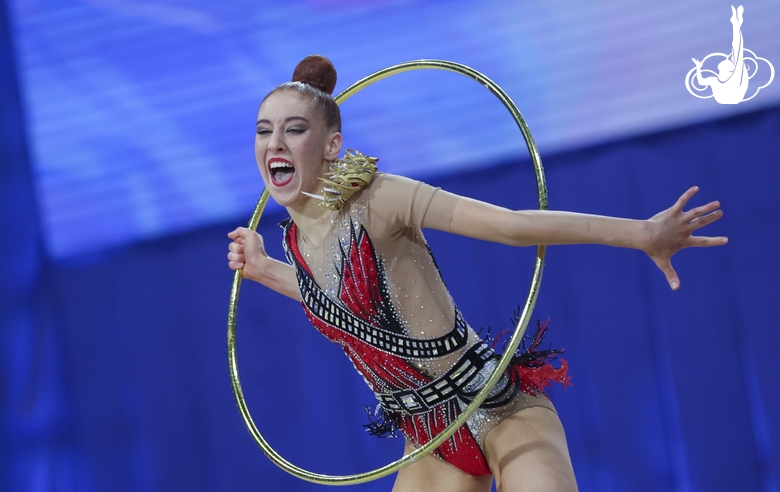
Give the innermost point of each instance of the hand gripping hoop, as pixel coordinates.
(513, 342)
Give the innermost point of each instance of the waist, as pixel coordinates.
(464, 380)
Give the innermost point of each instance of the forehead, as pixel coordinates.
(283, 104)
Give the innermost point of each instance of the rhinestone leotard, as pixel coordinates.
(373, 287)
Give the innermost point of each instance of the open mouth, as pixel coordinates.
(281, 171)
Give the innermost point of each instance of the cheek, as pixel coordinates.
(259, 152)
(260, 159)
(263, 174)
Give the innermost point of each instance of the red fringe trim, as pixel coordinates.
(536, 379)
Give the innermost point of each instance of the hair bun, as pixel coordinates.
(317, 71)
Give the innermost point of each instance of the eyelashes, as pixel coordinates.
(293, 130)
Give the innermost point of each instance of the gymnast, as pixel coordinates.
(360, 266)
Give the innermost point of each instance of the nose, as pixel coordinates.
(276, 142)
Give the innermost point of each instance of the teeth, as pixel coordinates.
(280, 165)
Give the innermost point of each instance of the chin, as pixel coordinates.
(287, 196)
(282, 198)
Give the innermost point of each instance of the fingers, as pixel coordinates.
(700, 222)
(236, 247)
(246, 249)
(683, 200)
(705, 242)
(236, 258)
(707, 219)
(676, 229)
(699, 217)
(703, 210)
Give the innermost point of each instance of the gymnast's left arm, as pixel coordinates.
(660, 236)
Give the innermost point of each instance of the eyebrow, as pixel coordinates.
(291, 118)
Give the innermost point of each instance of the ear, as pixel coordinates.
(333, 147)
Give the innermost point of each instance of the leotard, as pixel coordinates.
(373, 287)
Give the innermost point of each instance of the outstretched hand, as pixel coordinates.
(672, 230)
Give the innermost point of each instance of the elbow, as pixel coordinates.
(518, 230)
(520, 241)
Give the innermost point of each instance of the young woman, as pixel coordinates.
(367, 281)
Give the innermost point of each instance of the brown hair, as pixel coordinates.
(315, 78)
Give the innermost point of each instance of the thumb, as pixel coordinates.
(665, 265)
(239, 232)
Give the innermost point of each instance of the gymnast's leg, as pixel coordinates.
(527, 452)
(431, 474)
(737, 43)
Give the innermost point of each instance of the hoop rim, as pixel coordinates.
(511, 346)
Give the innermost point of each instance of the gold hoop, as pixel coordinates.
(513, 342)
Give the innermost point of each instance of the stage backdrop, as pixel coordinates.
(114, 369)
(141, 113)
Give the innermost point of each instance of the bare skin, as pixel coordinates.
(432, 474)
(527, 451)
(531, 439)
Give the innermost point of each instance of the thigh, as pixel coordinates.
(527, 452)
(432, 474)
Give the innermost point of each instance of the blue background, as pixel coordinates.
(125, 142)
(140, 114)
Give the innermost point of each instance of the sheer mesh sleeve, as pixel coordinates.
(406, 203)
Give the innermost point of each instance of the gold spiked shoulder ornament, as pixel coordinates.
(345, 177)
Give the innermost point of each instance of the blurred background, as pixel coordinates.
(126, 155)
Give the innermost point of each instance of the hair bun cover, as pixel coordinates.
(317, 71)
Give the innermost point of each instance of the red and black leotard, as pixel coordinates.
(423, 363)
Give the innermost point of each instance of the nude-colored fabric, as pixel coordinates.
(393, 210)
(397, 201)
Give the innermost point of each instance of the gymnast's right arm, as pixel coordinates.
(248, 253)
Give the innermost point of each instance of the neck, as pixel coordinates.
(312, 220)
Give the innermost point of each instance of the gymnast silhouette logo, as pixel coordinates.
(729, 84)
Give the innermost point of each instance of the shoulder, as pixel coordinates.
(402, 201)
(391, 190)
(385, 181)
(394, 187)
